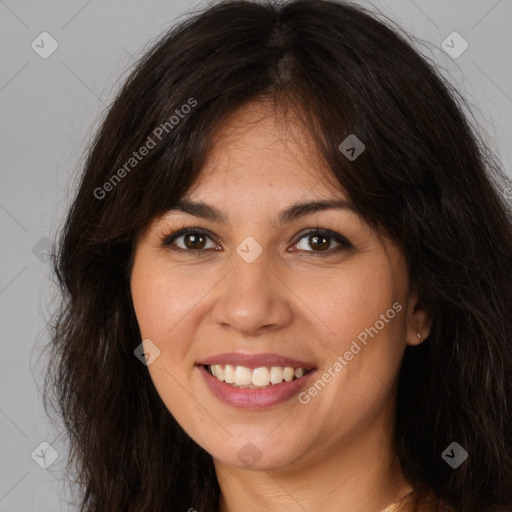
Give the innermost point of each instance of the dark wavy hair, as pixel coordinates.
(427, 180)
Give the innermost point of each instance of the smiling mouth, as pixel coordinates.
(255, 378)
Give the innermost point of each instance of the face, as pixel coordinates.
(305, 314)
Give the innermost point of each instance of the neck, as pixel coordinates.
(359, 475)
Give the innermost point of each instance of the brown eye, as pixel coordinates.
(194, 240)
(321, 241)
(189, 240)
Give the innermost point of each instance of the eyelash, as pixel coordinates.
(167, 240)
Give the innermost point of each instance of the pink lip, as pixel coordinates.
(255, 360)
(255, 398)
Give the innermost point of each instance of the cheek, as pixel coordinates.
(350, 299)
(359, 314)
(162, 299)
(160, 304)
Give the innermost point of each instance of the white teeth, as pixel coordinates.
(229, 374)
(241, 376)
(260, 376)
(219, 371)
(276, 375)
(288, 374)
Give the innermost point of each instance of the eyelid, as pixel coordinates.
(343, 243)
(168, 239)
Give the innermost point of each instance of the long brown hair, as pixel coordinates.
(426, 179)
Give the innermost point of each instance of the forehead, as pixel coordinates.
(260, 149)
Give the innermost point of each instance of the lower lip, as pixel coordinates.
(254, 398)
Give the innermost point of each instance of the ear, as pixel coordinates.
(418, 322)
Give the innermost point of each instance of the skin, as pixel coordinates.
(334, 453)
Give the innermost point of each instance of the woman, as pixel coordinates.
(286, 278)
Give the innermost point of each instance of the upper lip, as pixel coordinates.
(255, 360)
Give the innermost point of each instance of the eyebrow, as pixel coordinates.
(289, 214)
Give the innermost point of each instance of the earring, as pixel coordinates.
(419, 335)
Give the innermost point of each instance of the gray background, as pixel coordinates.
(50, 109)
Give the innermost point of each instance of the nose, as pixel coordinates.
(252, 298)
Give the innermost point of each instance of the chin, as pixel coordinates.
(257, 452)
